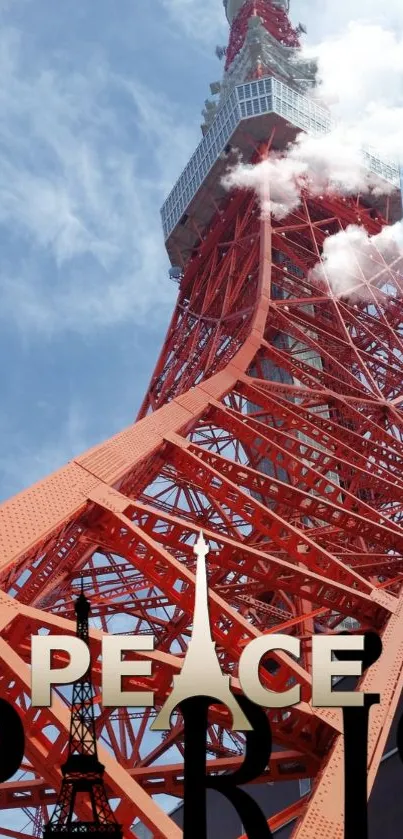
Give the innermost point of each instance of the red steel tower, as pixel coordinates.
(273, 421)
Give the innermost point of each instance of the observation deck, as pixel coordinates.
(250, 112)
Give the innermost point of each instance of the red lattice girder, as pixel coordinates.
(272, 422)
(275, 20)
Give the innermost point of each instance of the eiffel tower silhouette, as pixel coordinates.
(82, 771)
(201, 672)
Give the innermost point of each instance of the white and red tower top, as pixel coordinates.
(263, 41)
(266, 87)
(232, 7)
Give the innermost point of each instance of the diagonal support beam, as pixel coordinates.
(119, 780)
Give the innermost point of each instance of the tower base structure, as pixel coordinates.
(273, 422)
(82, 776)
(280, 458)
(84, 829)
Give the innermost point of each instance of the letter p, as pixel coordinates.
(42, 674)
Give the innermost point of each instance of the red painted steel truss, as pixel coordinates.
(273, 421)
(275, 20)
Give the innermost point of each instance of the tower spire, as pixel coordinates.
(82, 771)
(201, 617)
(232, 7)
(201, 673)
(263, 41)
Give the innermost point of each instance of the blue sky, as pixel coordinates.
(99, 112)
(100, 109)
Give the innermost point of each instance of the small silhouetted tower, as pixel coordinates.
(82, 771)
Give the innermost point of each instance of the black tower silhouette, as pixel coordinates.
(82, 771)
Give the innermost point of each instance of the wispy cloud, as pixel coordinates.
(81, 182)
(325, 17)
(318, 164)
(22, 465)
(201, 20)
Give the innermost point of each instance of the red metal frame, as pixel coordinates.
(272, 421)
(275, 20)
(320, 535)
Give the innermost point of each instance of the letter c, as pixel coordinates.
(249, 671)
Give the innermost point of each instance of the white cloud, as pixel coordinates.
(318, 164)
(324, 18)
(367, 104)
(81, 196)
(360, 72)
(361, 76)
(277, 182)
(352, 259)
